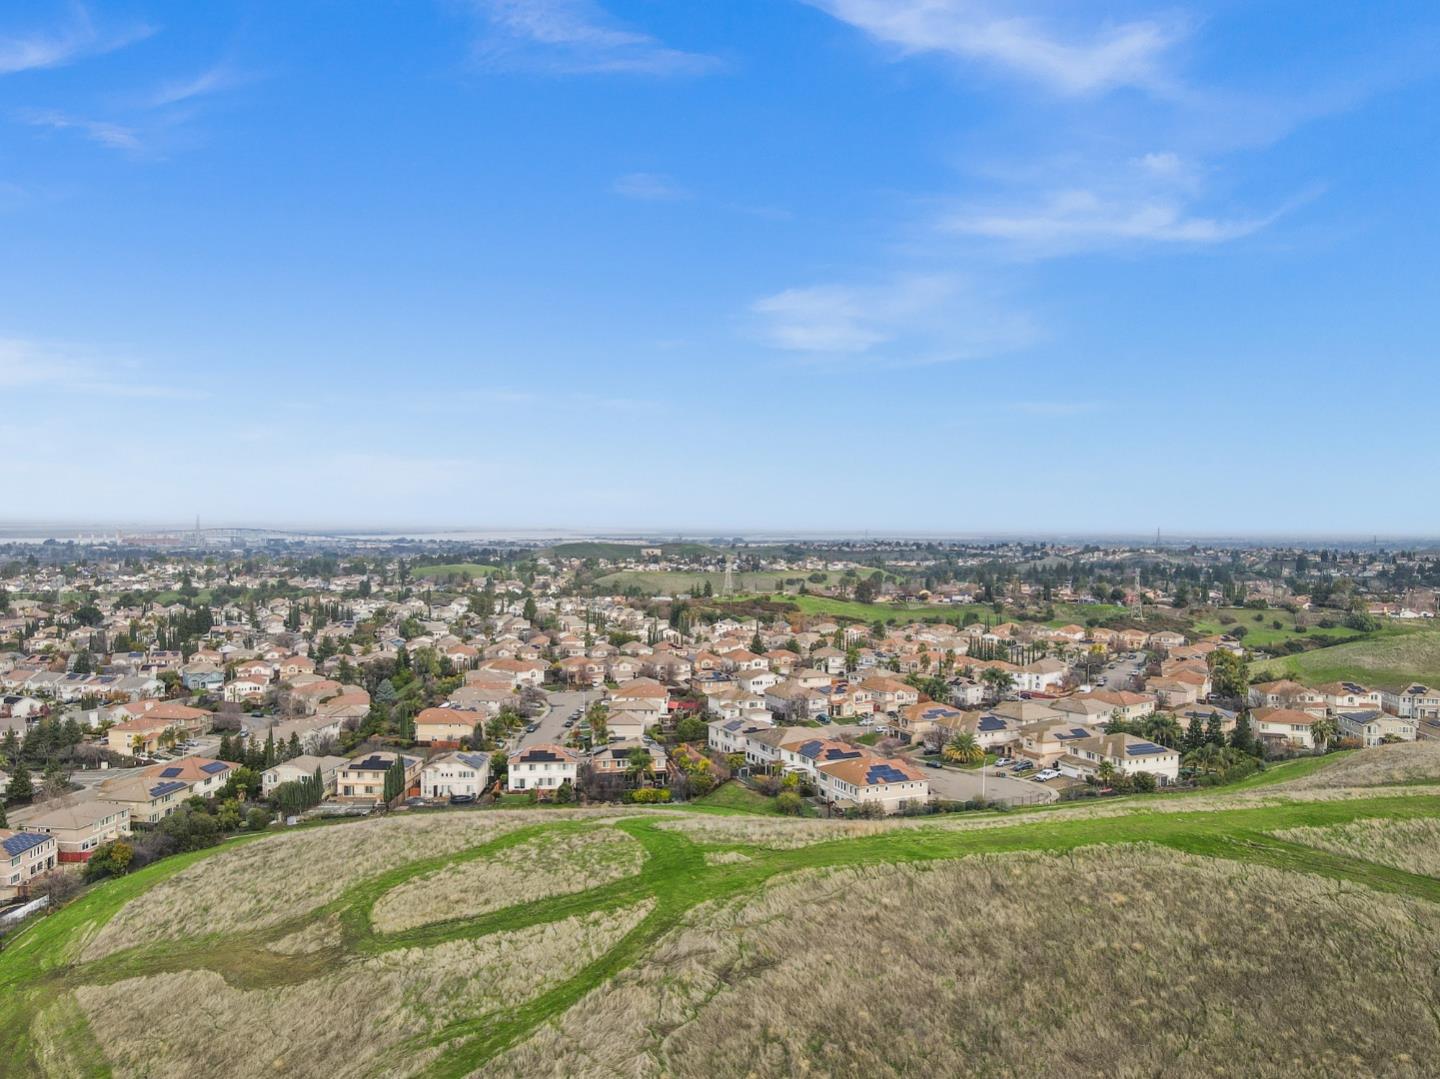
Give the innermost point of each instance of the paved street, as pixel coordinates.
(1123, 677)
(552, 725)
(959, 785)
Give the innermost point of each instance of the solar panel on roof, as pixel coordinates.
(885, 773)
(162, 789)
(991, 723)
(1137, 748)
(171, 772)
(213, 767)
(19, 843)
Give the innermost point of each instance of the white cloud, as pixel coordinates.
(574, 37)
(1100, 59)
(115, 136)
(28, 365)
(649, 187)
(1082, 219)
(916, 319)
(212, 81)
(78, 38)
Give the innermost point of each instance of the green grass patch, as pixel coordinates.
(1396, 657)
(737, 796)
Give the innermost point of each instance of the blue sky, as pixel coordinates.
(886, 265)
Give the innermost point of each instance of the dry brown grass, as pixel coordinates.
(725, 857)
(1116, 962)
(545, 866)
(778, 833)
(317, 935)
(261, 883)
(176, 1026)
(1404, 762)
(1409, 845)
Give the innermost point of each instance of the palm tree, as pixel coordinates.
(1105, 773)
(1323, 731)
(641, 765)
(963, 749)
(1163, 728)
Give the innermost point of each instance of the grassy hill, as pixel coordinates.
(1203, 935)
(1393, 658)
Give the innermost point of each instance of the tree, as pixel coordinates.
(640, 766)
(1243, 736)
(1323, 732)
(110, 860)
(565, 793)
(1162, 727)
(1144, 782)
(4, 823)
(1105, 773)
(963, 749)
(1215, 730)
(1194, 734)
(21, 788)
(1229, 674)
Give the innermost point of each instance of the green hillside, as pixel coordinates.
(1390, 660)
(1204, 935)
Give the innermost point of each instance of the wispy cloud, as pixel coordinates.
(115, 136)
(915, 319)
(1075, 220)
(29, 365)
(574, 37)
(79, 37)
(211, 81)
(1088, 61)
(649, 187)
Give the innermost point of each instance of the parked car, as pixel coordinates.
(934, 764)
(1004, 762)
(1024, 766)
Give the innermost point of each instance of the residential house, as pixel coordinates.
(542, 768)
(24, 856)
(890, 694)
(302, 767)
(1046, 741)
(1126, 754)
(1287, 694)
(1288, 727)
(730, 735)
(1041, 675)
(457, 776)
(155, 792)
(445, 726)
(361, 780)
(1373, 727)
(891, 783)
(1414, 701)
(80, 824)
(1349, 697)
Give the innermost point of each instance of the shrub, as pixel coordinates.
(258, 819)
(110, 860)
(789, 803)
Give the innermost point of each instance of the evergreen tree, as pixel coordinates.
(1214, 731)
(21, 788)
(292, 748)
(226, 752)
(3, 822)
(1194, 734)
(1242, 737)
(269, 758)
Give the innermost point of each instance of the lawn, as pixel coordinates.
(1260, 631)
(738, 797)
(469, 570)
(497, 993)
(1396, 658)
